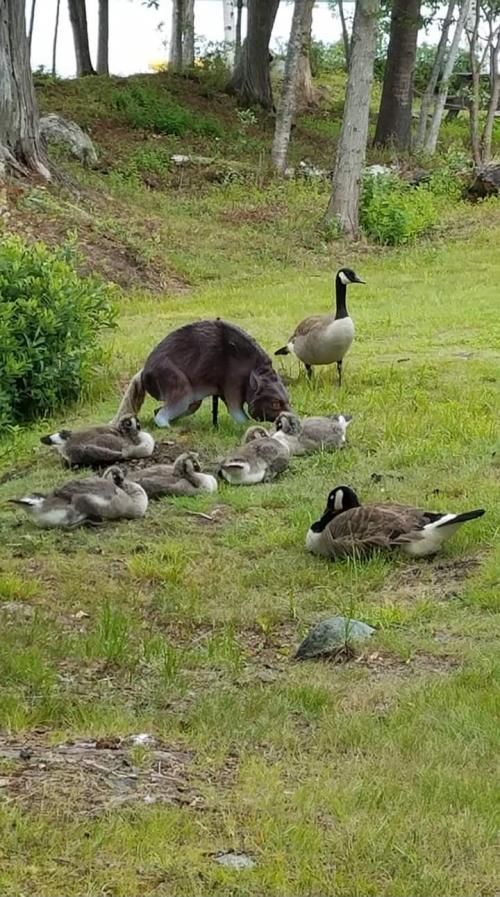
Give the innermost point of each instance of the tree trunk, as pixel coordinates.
(176, 49)
(251, 79)
(228, 10)
(237, 41)
(56, 32)
(103, 38)
(32, 22)
(394, 118)
(351, 152)
(78, 19)
(475, 94)
(20, 145)
(432, 137)
(428, 95)
(494, 54)
(188, 34)
(305, 87)
(288, 103)
(345, 34)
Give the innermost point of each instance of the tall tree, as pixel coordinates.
(103, 38)
(451, 58)
(288, 103)
(489, 10)
(251, 79)
(229, 16)
(437, 68)
(181, 51)
(237, 37)
(32, 22)
(394, 118)
(305, 87)
(56, 34)
(78, 19)
(345, 34)
(351, 152)
(188, 33)
(21, 149)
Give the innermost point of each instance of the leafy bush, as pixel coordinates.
(327, 58)
(144, 106)
(50, 321)
(393, 212)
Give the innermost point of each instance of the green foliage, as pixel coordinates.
(50, 321)
(143, 105)
(327, 58)
(393, 212)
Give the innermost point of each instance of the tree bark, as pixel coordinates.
(237, 42)
(251, 80)
(32, 22)
(288, 103)
(428, 95)
(494, 54)
(78, 19)
(394, 118)
(176, 44)
(228, 11)
(188, 34)
(56, 33)
(345, 34)
(103, 38)
(305, 87)
(432, 137)
(21, 148)
(351, 152)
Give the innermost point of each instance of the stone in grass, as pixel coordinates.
(55, 129)
(235, 860)
(332, 636)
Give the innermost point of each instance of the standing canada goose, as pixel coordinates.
(348, 529)
(312, 434)
(89, 500)
(258, 460)
(325, 339)
(105, 444)
(184, 477)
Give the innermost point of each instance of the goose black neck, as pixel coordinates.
(340, 294)
(323, 522)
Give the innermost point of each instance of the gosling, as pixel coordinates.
(184, 477)
(312, 434)
(259, 460)
(101, 445)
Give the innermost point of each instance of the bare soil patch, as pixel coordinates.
(440, 580)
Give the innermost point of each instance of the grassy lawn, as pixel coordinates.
(373, 777)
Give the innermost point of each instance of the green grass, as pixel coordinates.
(375, 777)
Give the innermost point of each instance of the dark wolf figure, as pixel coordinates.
(207, 358)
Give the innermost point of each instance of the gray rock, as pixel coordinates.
(332, 636)
(55, 129)
(235, 860)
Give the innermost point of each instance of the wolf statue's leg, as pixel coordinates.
(177, 395)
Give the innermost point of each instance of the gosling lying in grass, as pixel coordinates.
(105, 444)
(90, 500)
(311, 434)
(259, 460)
(184, 477)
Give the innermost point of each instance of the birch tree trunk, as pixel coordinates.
(345, 34)
(21, 149)
(103, 38)
(237, 40)
(251, 79)
(394, 118)
(288, 103)
(351, 152)
(228, 11)
(175, 50)
(78, 19)
(56, 33)
(432, 137)
(428, 95)
(32, 22)
(487, 135)
(305, 87)
(188, 34)
(474, 100)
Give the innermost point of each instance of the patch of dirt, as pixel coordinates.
(441, 579)
(164, 453)
(252, 215)
(381, 662)
(95, 776)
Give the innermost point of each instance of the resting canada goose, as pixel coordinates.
(348, 529)
(103, 444)
(312, 434)
(89, 500)
(325, 339)
(258, 460)
(184, 477)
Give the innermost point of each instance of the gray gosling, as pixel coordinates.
(184, 477)
(90, 500)
(259, 460)
(312, 434)
(105, 444)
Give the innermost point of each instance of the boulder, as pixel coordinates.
(332, 637)
(55, 129)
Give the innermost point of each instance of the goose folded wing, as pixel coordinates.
(309, 324)
(88, 486)
(378, 526)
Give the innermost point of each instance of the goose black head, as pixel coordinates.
(342, 498)
(347, 275)
(56, 438)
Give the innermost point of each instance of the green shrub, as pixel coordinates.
(50, 321)
(393, 212)
(145, 106)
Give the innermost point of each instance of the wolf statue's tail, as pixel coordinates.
(133, 398)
